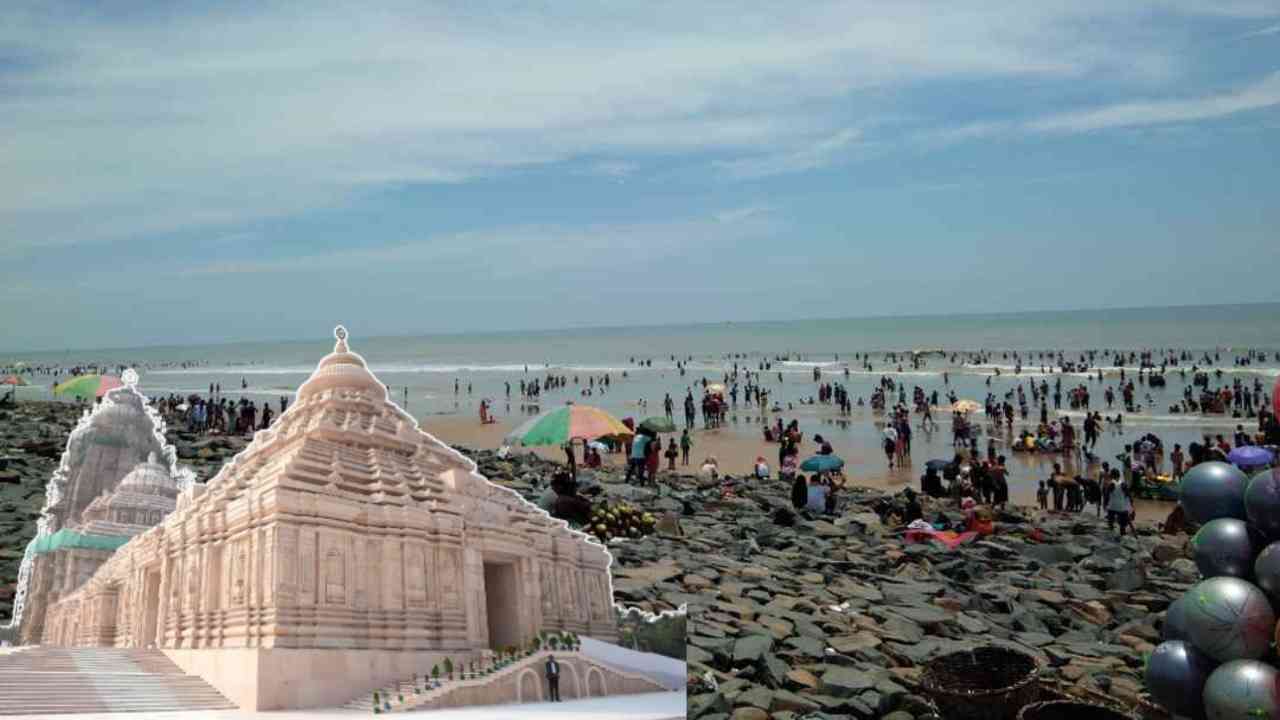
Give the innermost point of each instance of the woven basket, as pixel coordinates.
(1068, 710)
(990, 682)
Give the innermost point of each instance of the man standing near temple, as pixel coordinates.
(553, 678)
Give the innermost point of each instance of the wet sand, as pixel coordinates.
(736, 450)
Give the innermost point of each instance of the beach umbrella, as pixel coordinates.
(1250, 456)
(658, 424)
(13, 380)
(716, 388)
(88, 386)
(966, 406)
(822, 463)
(571, 422)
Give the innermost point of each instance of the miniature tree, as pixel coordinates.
(435, 672)
(377, 706)
(448, 668)
(554, 642)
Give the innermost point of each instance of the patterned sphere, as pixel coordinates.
(1242, 690)
(1262, 503)
(1229, 619)
(1175, 675)
(1266, 569)
(1223, 547)
(1175, 620)
(1213, 490)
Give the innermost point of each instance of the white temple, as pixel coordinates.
(342, 548)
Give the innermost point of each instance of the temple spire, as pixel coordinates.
(340, 333)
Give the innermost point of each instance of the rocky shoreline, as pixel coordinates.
(794, 616)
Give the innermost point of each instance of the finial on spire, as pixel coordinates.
(129, 378)
(151, 458)
(340, 332)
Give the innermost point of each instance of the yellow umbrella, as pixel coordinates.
(716, 388)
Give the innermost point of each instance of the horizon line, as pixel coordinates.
(700, 324)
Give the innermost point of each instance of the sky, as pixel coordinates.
(183, 172)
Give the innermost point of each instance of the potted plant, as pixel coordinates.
(377, 706)
(554, 642)
(435, 674)
(448, 668)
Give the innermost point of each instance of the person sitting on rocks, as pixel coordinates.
(816, 500)
(799, 492)
(568, 504)
(913, 511)
(762, 468)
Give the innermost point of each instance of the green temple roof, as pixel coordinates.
(69, 539)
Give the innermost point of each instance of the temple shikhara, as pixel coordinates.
(343, 548)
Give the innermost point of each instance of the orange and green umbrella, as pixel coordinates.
(13, 380)
(88, 387)
(571, 422)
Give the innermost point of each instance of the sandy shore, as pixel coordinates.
(736, 450)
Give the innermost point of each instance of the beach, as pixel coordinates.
(629, 372)
(735, 453)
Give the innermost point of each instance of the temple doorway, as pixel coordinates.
(502, 604)
(150, 609)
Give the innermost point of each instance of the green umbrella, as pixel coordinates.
(658, 424)
(822, 463)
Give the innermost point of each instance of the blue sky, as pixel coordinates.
(190, 172)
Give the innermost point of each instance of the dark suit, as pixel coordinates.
(553, 679)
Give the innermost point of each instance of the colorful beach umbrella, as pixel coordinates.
(571, 422)
(966, 406)
(716, 388)
(658, 424)
(13, 380)
(88, 387)
(822, 463)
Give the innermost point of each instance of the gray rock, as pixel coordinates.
(751, 648)
(846, 682)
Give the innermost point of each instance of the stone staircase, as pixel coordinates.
(427, 694)
(42, 680)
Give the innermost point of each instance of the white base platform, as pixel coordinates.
(648, 706)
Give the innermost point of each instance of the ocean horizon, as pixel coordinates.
(1221, 326)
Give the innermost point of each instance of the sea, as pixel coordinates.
(443, 374)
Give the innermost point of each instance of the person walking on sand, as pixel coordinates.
(553, 678)
(672, 453)
(653, 453)
(686, 443)
(1119, 507)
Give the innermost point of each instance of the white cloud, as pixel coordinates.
(1263, 32)
(114, 125)
(815, 154)
(521, 251)
(1262, 94)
